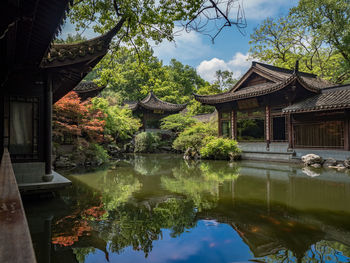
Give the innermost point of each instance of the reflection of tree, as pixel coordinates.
(102, 206)
(219, 171)
(137, 226)
(322, 251)
(81, 253)
(199, 182)
(150, 165)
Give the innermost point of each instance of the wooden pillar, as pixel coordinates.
(234, 125)
(48, 126)
(290, 131)
(346, 132)
(219, 124)
(268, 126)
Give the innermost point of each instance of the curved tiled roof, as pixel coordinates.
(87, 86)
(65, 54)
(329, 99)
(151, 102)
(280, 78)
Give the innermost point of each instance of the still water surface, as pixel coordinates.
(159, 208)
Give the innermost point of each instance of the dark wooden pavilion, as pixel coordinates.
(275, 112)
(151, 110)
(34, 74)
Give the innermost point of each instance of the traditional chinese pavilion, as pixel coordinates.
(277, 113)
(35, 73)
(88, 89)
(151, 110)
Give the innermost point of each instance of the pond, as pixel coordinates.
(160, 208)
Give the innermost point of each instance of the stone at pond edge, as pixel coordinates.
(330, 162)
(64, 162)
(234, 156)
(347, 163)
(316, 165)
(191, 154)
(311, 158)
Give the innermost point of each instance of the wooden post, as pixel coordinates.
(48, 126)
(219, 124)
(268, 125)
(234, 125)
(346, 132)
(290, 131)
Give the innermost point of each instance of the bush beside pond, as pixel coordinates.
(146, 142)
(220, 149)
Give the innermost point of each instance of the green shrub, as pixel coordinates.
(220, 148)
(194, 136)
(96, 154)
(177, 122)
(146, 142)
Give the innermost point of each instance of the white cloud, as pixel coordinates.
(187, 46)
(238, 65)
(261, 9)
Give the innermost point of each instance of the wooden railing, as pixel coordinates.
(15, 242)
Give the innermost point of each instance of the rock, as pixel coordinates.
(316, 165)
(330, 162)
(234, 156)
(311, 158)
(191, 154)
(64, 162)
(113, 150)
(309, 172)
(347, 163)
(340, 167)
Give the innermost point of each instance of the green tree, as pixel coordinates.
(283, 41)
(177, 122)
(194, 136)
(224, 79)
(138, 21)
(71, 39)
(329, 20)
(119, 122)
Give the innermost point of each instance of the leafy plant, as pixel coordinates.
(146, 142)
(194, 136)
(177, 122)
(220, 148)
(119, 122)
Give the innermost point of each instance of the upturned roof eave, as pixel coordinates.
(213, 99)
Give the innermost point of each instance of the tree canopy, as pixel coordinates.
(315, 32)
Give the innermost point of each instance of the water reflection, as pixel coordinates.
(159, 208)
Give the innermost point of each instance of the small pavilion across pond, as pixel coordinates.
(277, 113)
(88, 89)
(151, 110)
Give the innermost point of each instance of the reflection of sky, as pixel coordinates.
(208, 242)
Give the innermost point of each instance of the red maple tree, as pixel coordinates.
(73, 118)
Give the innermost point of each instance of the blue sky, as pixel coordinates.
(230, 49)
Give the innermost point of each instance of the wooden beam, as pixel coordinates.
(15, 241)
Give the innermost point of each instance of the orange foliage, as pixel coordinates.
(76, 225)
(73, 118)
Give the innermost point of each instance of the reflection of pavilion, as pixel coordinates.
(286, 211)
